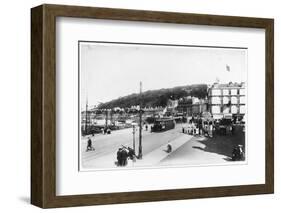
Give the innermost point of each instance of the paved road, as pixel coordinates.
(107, 145)
(207, 151)
(187, 150)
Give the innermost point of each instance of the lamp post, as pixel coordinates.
(86, 125)
(134, 143)
(106, 118)
(140, 124)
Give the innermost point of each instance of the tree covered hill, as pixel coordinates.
(153, 98)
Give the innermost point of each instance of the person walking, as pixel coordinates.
(89, 145)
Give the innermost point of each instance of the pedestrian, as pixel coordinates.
(131, 153)
(196, 129)
(200, 126)
(238, 153)
(232, 130)
(124, 156)
(210, 130)
(146, 127)
(169, 148)
(119, 157)
(192, 128)
(89, 145)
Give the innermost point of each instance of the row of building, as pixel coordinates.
(222, 100)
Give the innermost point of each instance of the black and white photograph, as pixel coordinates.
(145, 105)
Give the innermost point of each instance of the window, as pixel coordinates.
(234, 109)
(216, 100)
(225, 92)
(234, 92)
(225, 100)
(226, 109)
(216, 92)
(242, 109)
(234, 100)
(215, 109)
(242, 100)
(242, 91)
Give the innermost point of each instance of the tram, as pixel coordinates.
(163, 124)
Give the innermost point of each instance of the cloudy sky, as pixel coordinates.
(110, 70)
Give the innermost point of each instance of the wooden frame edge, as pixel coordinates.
(36, 106)
(269, 105)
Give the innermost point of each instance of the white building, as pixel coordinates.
(226, 99)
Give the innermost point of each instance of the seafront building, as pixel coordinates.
(227, 100)
(192, 106)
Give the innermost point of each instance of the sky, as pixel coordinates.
(112, 70)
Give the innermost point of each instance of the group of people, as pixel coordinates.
(199, 129)
(106, 130)
(123, 154)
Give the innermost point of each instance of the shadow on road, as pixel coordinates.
(222, 144)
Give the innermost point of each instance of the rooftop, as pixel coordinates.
(229, 85)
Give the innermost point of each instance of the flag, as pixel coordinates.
(217, 80)
(227, 68)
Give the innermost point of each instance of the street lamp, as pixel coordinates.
(134, 143)
(140, 124)
(86, 125)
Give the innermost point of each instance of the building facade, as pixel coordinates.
(227, 100)
(192, 106)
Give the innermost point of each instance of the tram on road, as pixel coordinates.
(163, 124)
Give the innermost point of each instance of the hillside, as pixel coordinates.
(153, 98)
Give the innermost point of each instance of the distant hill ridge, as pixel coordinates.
(159, 97)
